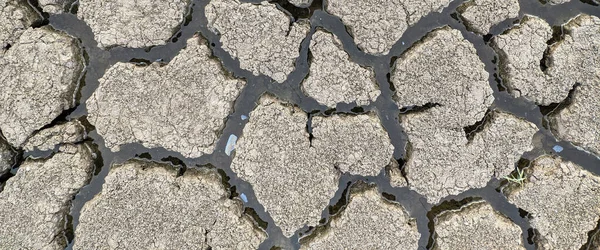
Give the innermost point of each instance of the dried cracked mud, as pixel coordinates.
(299, 124)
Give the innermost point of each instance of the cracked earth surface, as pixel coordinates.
(299, 124)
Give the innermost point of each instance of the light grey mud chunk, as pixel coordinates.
(70, 132)
(334, 78)
(274, 155)
(573, 59)
(28, 103)
(301, 3)
(36, 201)
(15, 17)
(442, 161)
(368, 221)
(56, 6)
(146, 205)
(259, 36)
(476, 226)
(563, 201)
(132, 24)
(481, 15)
(377, 25)
(354, 144)
(7, 156)
(181, 106)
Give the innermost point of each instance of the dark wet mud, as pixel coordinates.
(99, 60)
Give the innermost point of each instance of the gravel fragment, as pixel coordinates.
(36, 201)
(55, 6)
(259, 36)
(301, 3)
(476, 226)
(481, 15)
(377, 25)
(7, 156)
(571, 202)
(334, 78)
(181, 106)
(15, 17)
(370, 222)
(573, 59)
(353, 144)
(28, 103)
(555, 2)
(275, 156)
(157, 209)
(70, 132)
(442, 160)
(132, 24)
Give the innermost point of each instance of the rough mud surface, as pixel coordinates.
(259, 36)
(481, 15)
(377, 25)
(334, 78)
(476, 226)
(181, 106)
(563, 202)
(37, 199)
(133, 24)
(70, 132)
(15, 17)
(386, 226)
(194, 211)
(28, 103)
(288, 124)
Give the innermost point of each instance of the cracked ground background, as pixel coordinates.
(333, 124)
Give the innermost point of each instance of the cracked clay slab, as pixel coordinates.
(260, 36)
(181, 106)
(481, 15)
(147, 205)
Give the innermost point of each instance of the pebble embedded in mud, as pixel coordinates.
(368, 221)
(295, 180)
(481, 15)
(29, 103)
(147, 205)
(377, 25)
(476, 226)
(181, 106)
(334, 78)
(263, 38)
(563, 202)
(56, 6)
(133, 24)
(15, 17)
(301, 3)
(37, 200)
(442, 161)
(70, 132)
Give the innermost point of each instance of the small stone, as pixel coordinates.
(71, 132)
(274, 155)
(37, 200)
(476, 226)
(7, 156)
(155, 208)
(133, 24)
(563, 201)
(28, 103)
(301, 3)
(181, 106)
(353, 144)
(259, 36)
(377, 25)
(55, 6)
(15, 17)
(481, 15)
(334, 78)
(230, 144)
(556, 2)
(368, 221)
